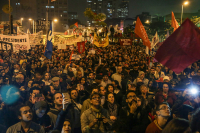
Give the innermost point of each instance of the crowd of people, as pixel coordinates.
(117, 89)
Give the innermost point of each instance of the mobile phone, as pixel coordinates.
(66, 96)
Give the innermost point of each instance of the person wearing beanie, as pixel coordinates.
(141, 76)
(40, 115)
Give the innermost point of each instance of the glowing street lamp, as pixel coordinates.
(55, 20)
(147, 21)
(185, 3)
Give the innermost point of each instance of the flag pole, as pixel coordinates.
(46, 24)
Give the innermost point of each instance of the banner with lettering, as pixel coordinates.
(18, 42)
(5, 46)
(36, 39)
(125, 42)
(81, 47)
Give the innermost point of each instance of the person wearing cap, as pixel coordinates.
(56, 84)
(166, 79)
(40, 115)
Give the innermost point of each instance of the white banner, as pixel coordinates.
(18, 42)
(36, 39)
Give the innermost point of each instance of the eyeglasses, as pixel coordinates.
(95, 98)
(164, 108)
(131, 97)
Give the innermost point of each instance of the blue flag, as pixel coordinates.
(49, 47)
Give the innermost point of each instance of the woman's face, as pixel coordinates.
(66, 127)
(110, 89)
(46, 76)
(139, 102)
(29, 84)
(165, 88)
(83, 81)
(111, 98)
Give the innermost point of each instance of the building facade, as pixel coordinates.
(123, 9)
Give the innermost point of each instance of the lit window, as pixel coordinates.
(64, 11)
(52, 7)
(95, 3)
(47, 6)
(61, 15)
(18, 3)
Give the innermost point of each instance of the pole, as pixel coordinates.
(47, 20)
(33, 26)
(9, 17)
(182, 14)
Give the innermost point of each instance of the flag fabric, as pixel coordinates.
(53, 0)
(49, 46)
(100, 43)
(180, 49)
(154, 41)
(140, 31)
(174, 22)
(76, 24)
(81, 47)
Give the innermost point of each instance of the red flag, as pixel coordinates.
(76, 24)
(81, 47)
(140, 31)
(174, 22)
(180, 49)
(71, 55)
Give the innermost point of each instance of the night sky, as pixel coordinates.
(161, 7)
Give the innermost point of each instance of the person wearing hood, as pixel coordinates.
(40, 115)
(142, 77)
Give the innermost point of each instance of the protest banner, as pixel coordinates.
(125, 42)
(18, 42)
(5, 46)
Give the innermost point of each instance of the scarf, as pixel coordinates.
(112, 109)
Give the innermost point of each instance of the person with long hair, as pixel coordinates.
(177, 126)
(111, 106)
(165, 95)
(110, 88)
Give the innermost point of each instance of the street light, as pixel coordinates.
(185, 3)
(55, 20)
(33, 24)
(147, 21)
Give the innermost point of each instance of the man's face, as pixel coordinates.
(164, 111)
(142, 76)
(46, 76)
(95, 91)
(102, 91)
(96, 100)
(26, 114)
(38, 76)
(91, 76)
(56, 83)
(58, 99)
(152, 71)
(74, 94)
(131, 97)
(119, 69)
(105, 77)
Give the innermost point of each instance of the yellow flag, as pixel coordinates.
(100, 43)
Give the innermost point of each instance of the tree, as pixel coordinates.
(99, 18)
